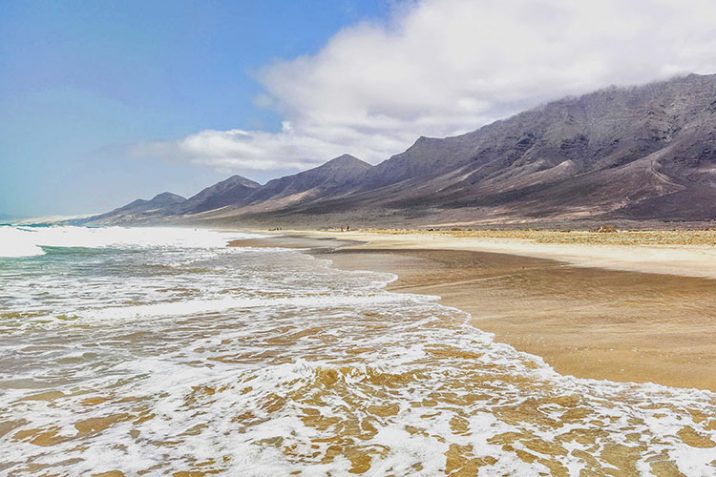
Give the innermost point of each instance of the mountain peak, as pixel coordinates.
(240, 180)
(167, 198)
(232, 191)
(345, 161)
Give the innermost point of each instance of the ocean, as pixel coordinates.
(161, 351)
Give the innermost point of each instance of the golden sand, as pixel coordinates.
(684, 253)
(604, 236)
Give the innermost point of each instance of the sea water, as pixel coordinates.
(160, 351)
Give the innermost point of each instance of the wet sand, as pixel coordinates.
(585, 322)
(589, 323)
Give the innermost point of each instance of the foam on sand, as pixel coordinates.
(244, 362)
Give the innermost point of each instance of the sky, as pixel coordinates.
(82, 83)
(103, 102)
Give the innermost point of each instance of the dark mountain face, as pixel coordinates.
(642, 153)
(645, 152)
(233, 191)
(426, 158)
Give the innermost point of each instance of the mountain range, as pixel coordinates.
(644, 154)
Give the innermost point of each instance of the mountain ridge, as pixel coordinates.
(636, 153)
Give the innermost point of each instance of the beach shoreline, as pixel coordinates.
(591, 311)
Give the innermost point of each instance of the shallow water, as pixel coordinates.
(163, 351)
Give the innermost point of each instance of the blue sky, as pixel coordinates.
(102, 102)
(81, 81)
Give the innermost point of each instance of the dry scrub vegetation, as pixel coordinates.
(604, 236)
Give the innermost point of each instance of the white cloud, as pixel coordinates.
(442, 67)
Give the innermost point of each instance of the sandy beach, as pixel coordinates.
(641, 313)
(684, 254)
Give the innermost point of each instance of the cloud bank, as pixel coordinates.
(443, 67)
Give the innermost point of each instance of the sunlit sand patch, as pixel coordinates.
(44, 396)
(8, 426)
(99, 424)
(93, 401)
(695, 439)
(40, 437)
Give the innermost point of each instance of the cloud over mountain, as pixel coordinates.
(443, 67)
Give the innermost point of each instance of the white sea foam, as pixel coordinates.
(28, 241)
(16, 242)
(194, 307)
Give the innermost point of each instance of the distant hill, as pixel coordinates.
(239, 193)
(233, 191)
(645, 153)
(139, 211)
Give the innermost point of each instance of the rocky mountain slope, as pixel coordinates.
(233, 191)
(637, 153)
(329, 180)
